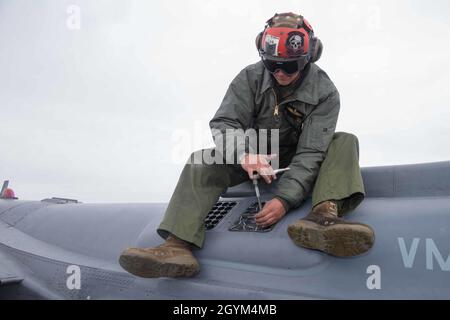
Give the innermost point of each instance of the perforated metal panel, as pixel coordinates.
(246, 221)
(220, 210)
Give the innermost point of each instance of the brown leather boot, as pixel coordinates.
(172, 259)
(322, 230)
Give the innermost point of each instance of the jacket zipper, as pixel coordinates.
(276, 111)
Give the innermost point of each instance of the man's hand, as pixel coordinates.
(260, 164)
(272, 212)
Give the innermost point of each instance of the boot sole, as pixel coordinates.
(146, 267)
(340, 240)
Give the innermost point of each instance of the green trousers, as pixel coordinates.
(200, 186)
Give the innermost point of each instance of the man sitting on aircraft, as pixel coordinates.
(288, 92)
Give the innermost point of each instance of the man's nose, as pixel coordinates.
(279, 72)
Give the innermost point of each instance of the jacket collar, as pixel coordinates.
(308, 90)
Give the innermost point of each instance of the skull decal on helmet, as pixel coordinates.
(295, 43)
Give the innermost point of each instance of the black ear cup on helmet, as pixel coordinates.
(316, 49)
(258, 40)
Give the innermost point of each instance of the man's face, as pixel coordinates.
(284, 79)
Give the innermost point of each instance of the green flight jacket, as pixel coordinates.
(251, 102)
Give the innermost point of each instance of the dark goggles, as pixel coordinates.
(288, 67)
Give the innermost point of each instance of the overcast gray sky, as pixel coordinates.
(99, 108)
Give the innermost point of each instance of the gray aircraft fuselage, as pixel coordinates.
(60, 249)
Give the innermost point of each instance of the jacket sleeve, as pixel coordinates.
(233, 117)
(318, 130)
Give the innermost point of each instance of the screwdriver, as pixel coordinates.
(255, 178)
(258, 196)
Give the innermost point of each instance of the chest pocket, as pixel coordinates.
(294, 118)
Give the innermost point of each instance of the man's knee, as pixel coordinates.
(345, 136)
(204, 157)
(202, 166)
(346, 141)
